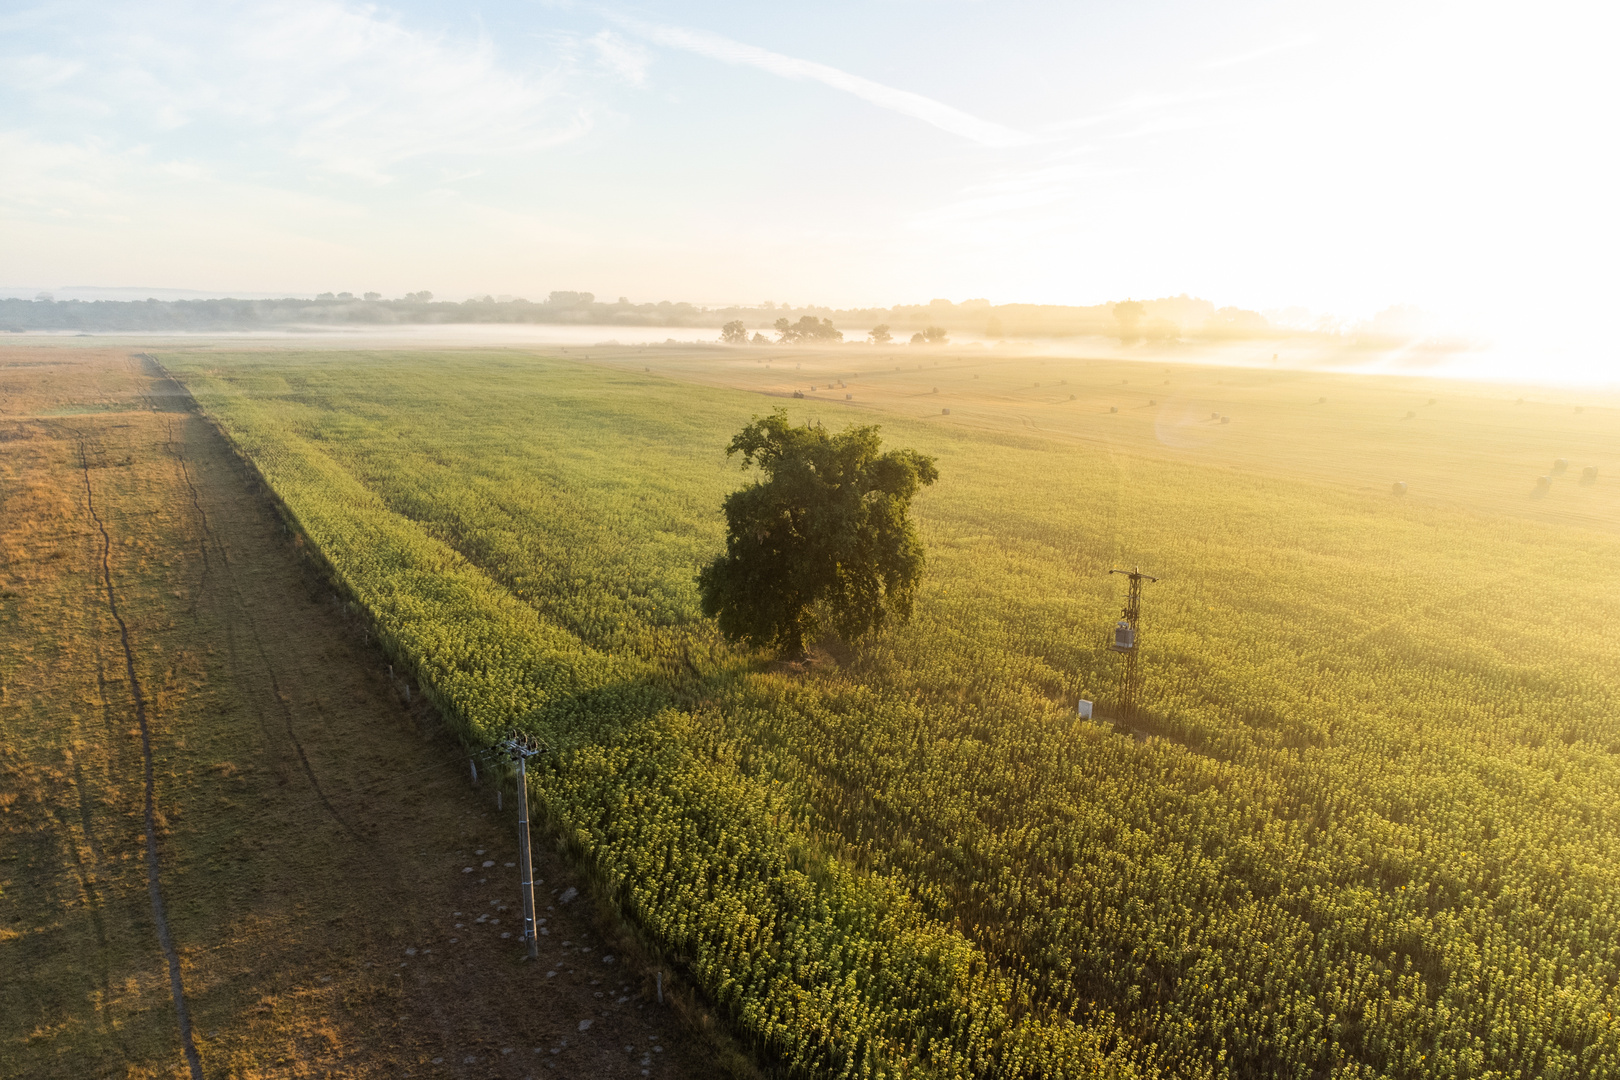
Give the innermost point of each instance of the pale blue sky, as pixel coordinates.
(1340, 157)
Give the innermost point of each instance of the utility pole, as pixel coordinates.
(521, 749)
(1128, 640)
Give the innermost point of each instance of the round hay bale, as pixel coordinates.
(1400, 487)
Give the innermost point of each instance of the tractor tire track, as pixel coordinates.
(202, 548)
(153, 882)
(210, 537)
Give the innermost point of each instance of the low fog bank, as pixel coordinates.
(1181, 328)
(1163, 320)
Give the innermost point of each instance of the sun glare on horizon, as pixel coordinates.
(1453, 159)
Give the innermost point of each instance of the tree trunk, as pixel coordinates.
(793, 645)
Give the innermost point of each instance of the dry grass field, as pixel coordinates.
(250, 765)
(1470, 445)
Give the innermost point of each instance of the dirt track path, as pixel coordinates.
(337, 894)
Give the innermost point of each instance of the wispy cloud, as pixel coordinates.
(623, 58)
(343, 88)
(1049, 188)
(1137, 107)
(1018, 200)
(87, 185)
(904, 102)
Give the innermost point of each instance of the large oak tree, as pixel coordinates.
(823, 537)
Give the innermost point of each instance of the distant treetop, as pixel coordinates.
(809, 330)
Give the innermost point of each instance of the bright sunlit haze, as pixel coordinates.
(1319, 163)
(965, 540)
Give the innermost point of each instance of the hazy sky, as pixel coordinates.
(1342, 157)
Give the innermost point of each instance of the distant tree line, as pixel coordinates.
(1165, 319)
(812, 331)
(337, 309)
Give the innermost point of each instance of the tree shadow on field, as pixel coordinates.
(687, 676)
(827, 653)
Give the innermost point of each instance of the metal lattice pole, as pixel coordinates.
(521, 750)
(1131, 688)
(525, 863)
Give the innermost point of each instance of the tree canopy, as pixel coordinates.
(824, 538)
(808, 329)
(734, 333)
(1129, 313)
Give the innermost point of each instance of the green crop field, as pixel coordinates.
(1368, 824)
